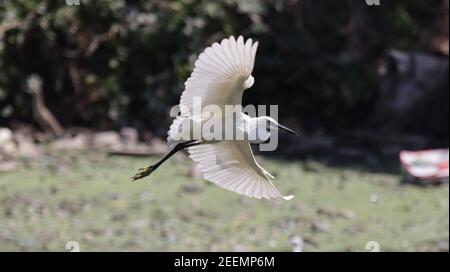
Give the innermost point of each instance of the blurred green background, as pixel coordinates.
(89, 199)
(333, 67)
(105, 64)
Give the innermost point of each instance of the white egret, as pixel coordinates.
(220, 76)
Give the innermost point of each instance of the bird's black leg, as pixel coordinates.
(143, 172)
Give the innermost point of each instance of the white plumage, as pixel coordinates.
(220, 76)
(232, 166)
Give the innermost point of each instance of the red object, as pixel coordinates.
(426, 164)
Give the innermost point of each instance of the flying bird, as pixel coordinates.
(221, 74)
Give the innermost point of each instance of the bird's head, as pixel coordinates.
(267, 123)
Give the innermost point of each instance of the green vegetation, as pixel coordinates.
(90, 199)
(110, 64)
(105, 64)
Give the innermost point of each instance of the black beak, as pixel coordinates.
(288, 130)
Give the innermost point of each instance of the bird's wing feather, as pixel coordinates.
(220, 74)
(231, 165)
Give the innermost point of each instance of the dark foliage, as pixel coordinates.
(112, 63)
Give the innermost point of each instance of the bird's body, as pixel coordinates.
(250, 129)
(221, 74)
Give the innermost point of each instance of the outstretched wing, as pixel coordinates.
(231, 165)
(221, 74)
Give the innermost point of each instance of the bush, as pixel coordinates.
(113, 63)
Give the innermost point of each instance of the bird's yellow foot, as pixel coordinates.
(143, 172)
